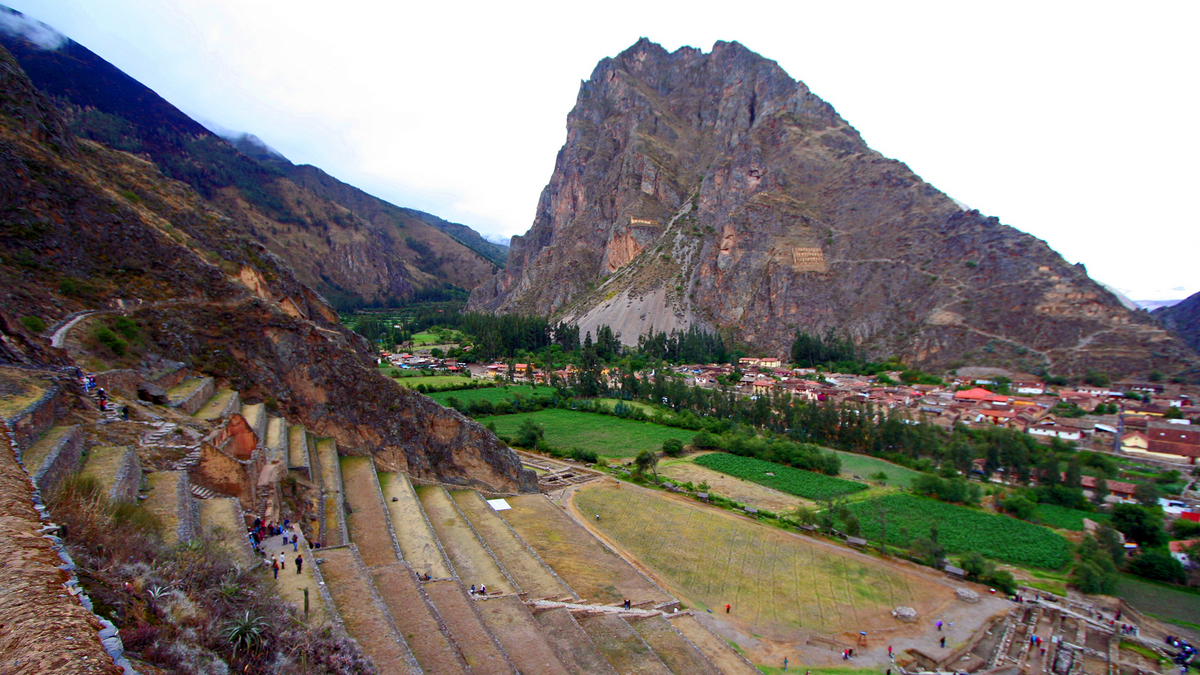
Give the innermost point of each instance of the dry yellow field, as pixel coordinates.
(776, 582)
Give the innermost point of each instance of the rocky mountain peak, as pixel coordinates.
(714, 189)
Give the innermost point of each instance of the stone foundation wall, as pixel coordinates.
(62, 461)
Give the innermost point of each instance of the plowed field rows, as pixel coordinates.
(775, 581)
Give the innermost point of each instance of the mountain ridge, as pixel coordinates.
(714, 189)
(345, 256)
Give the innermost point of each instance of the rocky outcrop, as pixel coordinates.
(713, 189)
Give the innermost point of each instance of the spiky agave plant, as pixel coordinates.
(247, 631)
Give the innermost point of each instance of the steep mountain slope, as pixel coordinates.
(88, 228)
(351, 258)
(713, 189)
(1183, 318)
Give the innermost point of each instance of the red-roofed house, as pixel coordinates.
(1179, 551)
(1171, 444)
(979, 395)
(1116, 487)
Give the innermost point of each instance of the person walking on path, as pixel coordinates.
(294, 540)
(275, 567)
(785, 664)
(726, 609)
(939, 625)
(299, 563)
(943, 642)
(282, 561)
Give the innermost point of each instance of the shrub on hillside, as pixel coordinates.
(33, 324)
(1158, 564)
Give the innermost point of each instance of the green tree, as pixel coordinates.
(672, 447)
(529, 434)
(1140, 524)
(647, 459)
(1147, 494)
(1158, 564)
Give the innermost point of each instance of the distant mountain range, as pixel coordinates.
(354, 248)
(712, 189)
(1184, 318)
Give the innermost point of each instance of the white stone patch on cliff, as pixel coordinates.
(633, 315)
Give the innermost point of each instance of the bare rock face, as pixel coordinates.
(714, 189)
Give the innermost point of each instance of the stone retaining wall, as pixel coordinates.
(123, 381)
(62, 460)
(128, 479)
(189, 404)
(29, 424)
(186, 513)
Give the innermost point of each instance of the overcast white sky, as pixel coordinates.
(1073, 121)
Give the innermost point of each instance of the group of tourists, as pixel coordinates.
(482, 590)
(261, 531)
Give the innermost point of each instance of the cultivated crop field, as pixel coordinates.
(961, 530)
(1161, 601)
(607, 436)
(1064, 518)
(854, 464)
(792, 481)
(776, 582)
(491, 394)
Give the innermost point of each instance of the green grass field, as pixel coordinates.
(607, 436)
(962, 530)
(1161, 601)
(776, 582)
(493, 394)
(425, 338)
(866, 466)
(432, 380)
